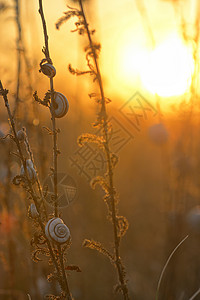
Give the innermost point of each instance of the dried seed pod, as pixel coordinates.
(33, 213)
(61, 105)
(48, 69)
(21, 135)
(32, 176)
(56, 231)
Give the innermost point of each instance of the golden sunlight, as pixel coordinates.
(166, 70)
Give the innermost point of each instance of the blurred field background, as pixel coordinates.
(150, 67)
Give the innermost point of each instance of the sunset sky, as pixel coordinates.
(142, 43)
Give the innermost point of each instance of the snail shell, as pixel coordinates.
(32, 176)
(48, 69)
(33, 213)
(29, 163)
(57, 231)
(61, 105)
(21, 135)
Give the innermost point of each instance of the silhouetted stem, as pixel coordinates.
(55, 150)
(60, 274)
(118, 262)
(65, 285)
(28, 147)
(18, 44)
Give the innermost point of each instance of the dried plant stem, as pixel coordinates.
(8, 204)
(65, 285)
(18, 42)
(55, 150)
(195, 294)
(166, 264)
(28, 147)
(61, 276)
(118, 263)
(46, 38)
(8, 207)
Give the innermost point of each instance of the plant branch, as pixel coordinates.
(4, 93)
(19, 46)
(118, 263)
(55, 148)
(166, 264)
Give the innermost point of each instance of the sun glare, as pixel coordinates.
(166, 70)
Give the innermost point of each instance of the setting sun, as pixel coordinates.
(166, 70)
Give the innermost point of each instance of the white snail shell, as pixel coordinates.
(48, 69)
(57, 231)
(61, 105)
(33, 211)
(29, 163)
(21, 135)
(32, 176)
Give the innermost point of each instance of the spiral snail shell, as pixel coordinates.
(57, 231)
(48, 69)
(61, 105)
(33, 213)
(32, 176)
(21, 135)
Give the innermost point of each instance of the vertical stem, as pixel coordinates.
(65, 286)
(61, 275)
(46, 38)
(18, 44)
(118, 262)
(55, 150)
(63, 271)
(10, 242)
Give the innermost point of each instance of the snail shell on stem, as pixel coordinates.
(48, 70)
(56, 231)
(29, 163)
(61, 105)
(32, 176)
(33, 213)
(21, 135)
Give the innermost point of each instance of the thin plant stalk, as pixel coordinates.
(29, 150)
(19, 45)
(10, 242)
(118, 263)
(55, 148)
(166, 264)
(60, 273)
(195, 294)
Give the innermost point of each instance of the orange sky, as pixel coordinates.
(120, 27)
